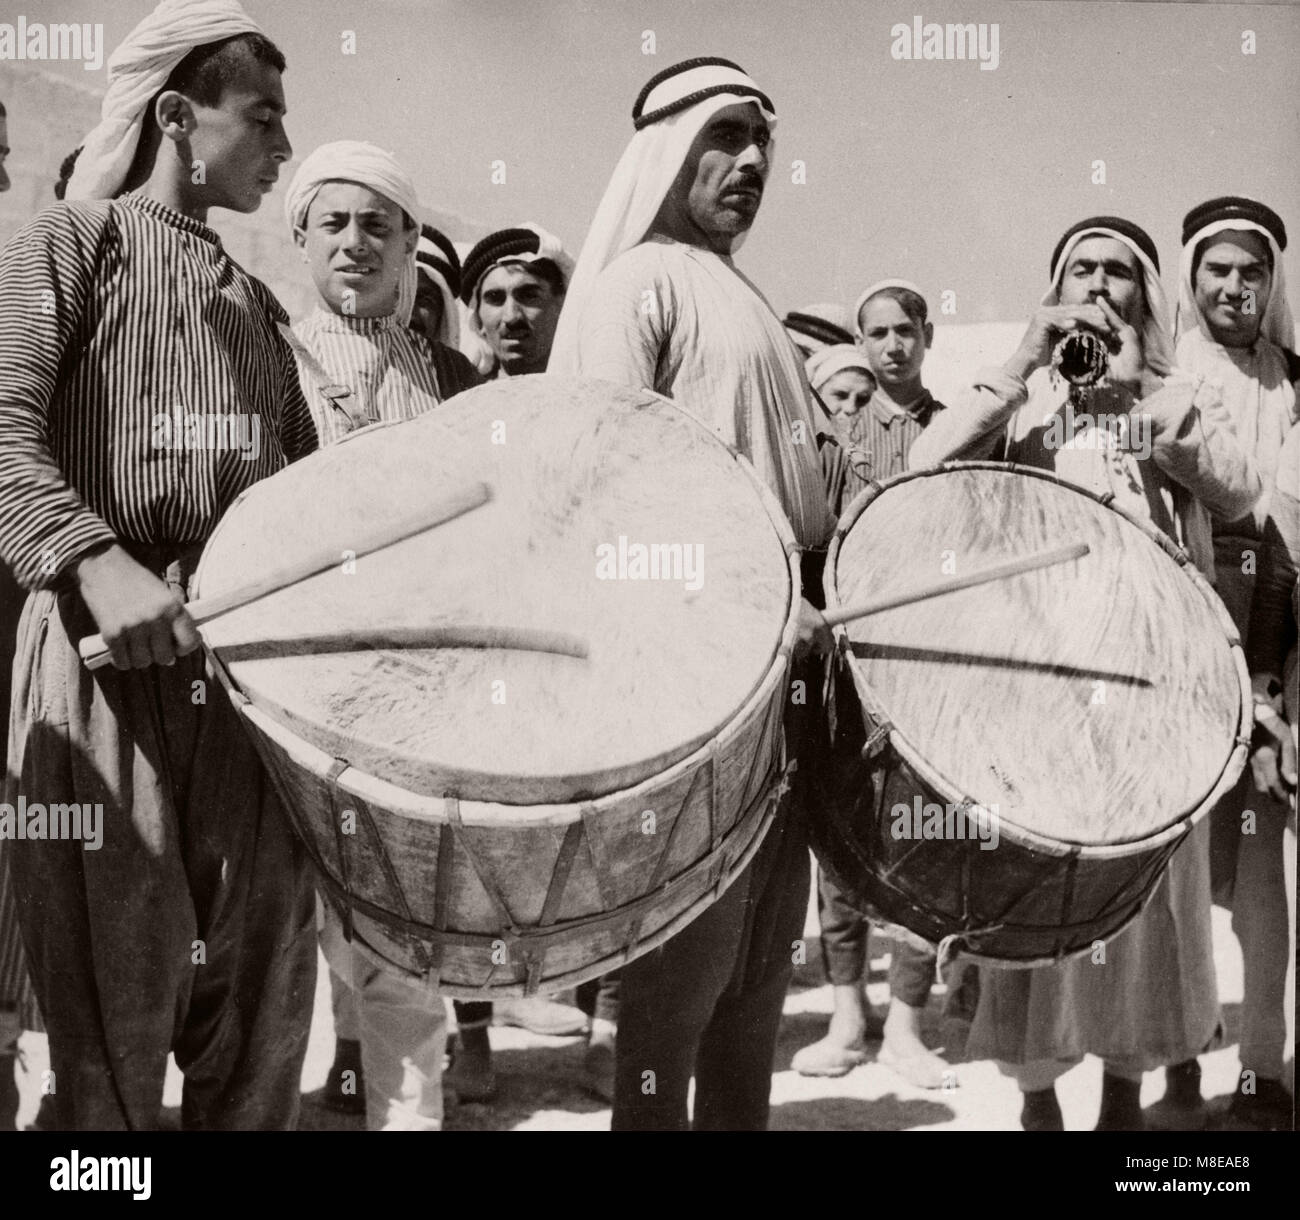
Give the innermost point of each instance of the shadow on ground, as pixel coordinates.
(888, 1113)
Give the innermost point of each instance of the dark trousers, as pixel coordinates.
(191, 928)
(599, 998)
(844, 949)
(708, 1002)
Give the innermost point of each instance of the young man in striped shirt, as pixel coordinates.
(188, 926)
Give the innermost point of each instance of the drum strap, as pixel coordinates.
(481, 868)
(337, 767)
(339, 396)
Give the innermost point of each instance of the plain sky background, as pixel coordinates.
(942, 172)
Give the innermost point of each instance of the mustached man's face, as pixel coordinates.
(518, 312)
(1232, 286)
(717, 193)
(1105, 267)
(357, 247)
(238, 144)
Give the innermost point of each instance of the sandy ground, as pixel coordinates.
(539, 1078)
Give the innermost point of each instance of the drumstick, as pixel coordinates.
(525, 639)
(95, 654)
(982, 576)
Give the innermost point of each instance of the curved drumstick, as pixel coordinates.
(982, 576)
(95, 654)
(526, 639)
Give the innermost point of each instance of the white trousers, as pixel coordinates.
(402, 1028)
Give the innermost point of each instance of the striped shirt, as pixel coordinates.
(143, 385)
(878, 438)
(684, 322)
(391, 370)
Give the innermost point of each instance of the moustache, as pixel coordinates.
(750, 183)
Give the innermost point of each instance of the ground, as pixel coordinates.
(539, 1090)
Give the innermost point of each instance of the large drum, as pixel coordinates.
(1039, 746)
(498, 820)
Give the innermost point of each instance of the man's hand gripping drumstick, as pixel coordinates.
(142, 623)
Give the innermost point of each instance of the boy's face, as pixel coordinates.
(893, 342)
(241, 141)
(357, 247)
(847, 392)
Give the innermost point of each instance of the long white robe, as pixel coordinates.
(684, 322)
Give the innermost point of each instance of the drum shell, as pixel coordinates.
(415, 875)
(484, 899)
(1032, 901)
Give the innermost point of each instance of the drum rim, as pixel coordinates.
(778, 665)
(1235, 763)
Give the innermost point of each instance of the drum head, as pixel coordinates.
(1096, 702)
(615, 517)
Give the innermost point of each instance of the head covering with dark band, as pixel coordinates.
(137, 70)
(1157, 345)
(526, 243)
(1257, 383)
(437, 262)
(814, 327)
(1234, 213)
(672, 109)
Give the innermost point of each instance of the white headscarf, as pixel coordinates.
(868, 293)
(646, 171)
(1277, 325)
(369, 166)
(823, 365)
(137, 70)
(1157, 346)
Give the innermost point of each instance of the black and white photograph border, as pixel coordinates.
(989, 204)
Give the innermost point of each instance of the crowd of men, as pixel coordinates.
(102, 531)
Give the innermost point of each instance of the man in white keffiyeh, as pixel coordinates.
(1155, 1003)
(1235, 329)
(656, 301)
